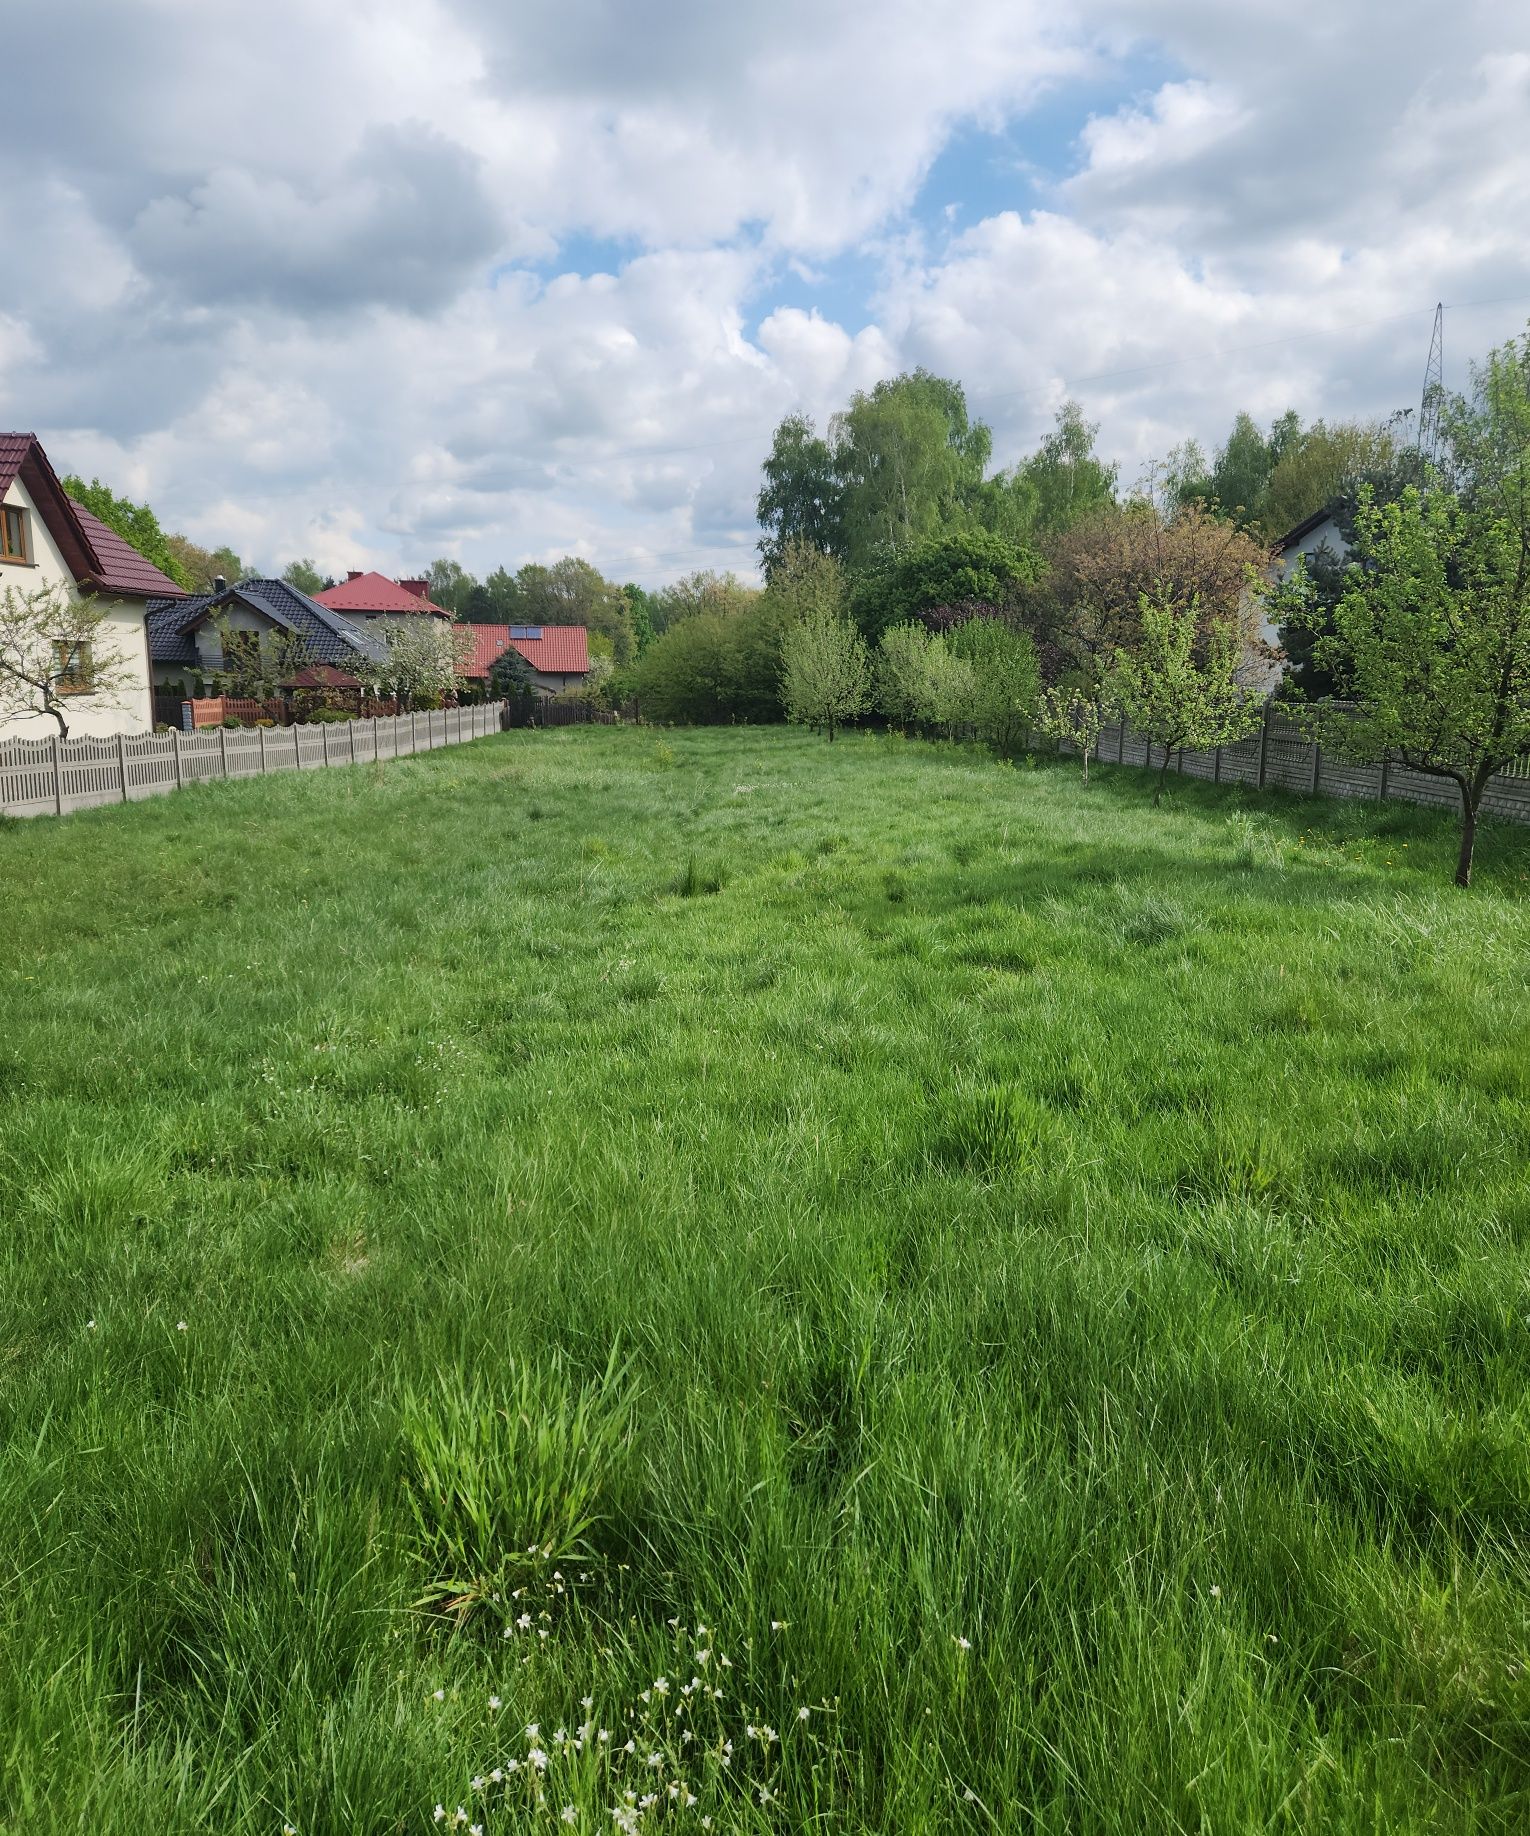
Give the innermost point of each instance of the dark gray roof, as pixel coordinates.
(330, 637)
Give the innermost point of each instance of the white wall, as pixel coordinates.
(130, 709)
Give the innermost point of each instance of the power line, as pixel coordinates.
(1042, 392)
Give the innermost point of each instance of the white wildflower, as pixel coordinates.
(569, 1814)
(438, 1695)
(803, 1713)
(494, 1702)
(962, 1644)
(180, 1325)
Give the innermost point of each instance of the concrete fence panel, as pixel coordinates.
(51, 777)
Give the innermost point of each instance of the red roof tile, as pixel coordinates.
(14, 447)
(120, 568)
(374, 593)
(562, 650)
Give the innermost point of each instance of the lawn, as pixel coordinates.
(866, 1288)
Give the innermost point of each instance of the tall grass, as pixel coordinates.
(1039, 1286)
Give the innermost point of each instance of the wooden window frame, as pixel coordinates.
(7, 554)
(83, 680)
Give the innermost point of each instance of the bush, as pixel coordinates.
(942, 570)
(327, 716)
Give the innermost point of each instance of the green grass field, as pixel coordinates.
(1024, 1295)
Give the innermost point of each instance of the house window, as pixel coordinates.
(13, 534)
(74, 668)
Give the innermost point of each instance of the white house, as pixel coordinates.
(46, 539)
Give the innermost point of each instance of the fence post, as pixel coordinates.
(1264, 743)
(414, 731)
(122, 764)
(1216, 767)
(58, 778)
(324, 736)
(180, 769)
(1317, 767)
(1386, 774)
(223, 749)
(262, 732)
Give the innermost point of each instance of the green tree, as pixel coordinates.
(1073, 715)
(1062, 481)
(945, 569)
(511, 680)
(1006, 679)
(135, 523)
(202, 566)
(1431, 638)
(801, 498)
(1179, 685)
(698, 592)
(305, 576)
(908, 461)
(901, 682)
(826, 670)
(1326, 462)
(574, 592)
(449, 585)
(639, 615)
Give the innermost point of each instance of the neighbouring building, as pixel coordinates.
(48, 539)
(559, 655)
(187, 636)
(1318, 532)
(367, 599)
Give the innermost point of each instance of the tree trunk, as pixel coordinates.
(50, 706)
(831, 732)
(1163, 773)
(1471, 798)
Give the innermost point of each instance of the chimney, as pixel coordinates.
(353, 573)
(220, 585)
(417, 587)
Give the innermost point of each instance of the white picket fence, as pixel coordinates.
(51, 777)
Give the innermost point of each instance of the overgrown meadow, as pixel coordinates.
(618, 1282)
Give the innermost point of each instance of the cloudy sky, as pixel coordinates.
(380, 280)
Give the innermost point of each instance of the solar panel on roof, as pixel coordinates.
(525, 631)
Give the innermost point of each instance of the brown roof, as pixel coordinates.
(96, 556)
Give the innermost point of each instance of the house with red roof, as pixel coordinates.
(48, 540)
(365, 598)
(559, 655)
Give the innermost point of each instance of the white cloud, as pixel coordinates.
(298, 286)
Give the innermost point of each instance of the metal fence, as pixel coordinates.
(1278, 753)
(53, 776)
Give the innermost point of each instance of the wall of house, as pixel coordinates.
(550, 684)
(130, 709)
(208, 636)
(1267, 675)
